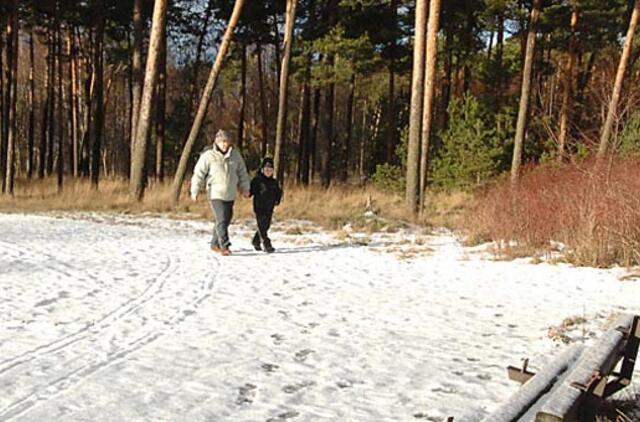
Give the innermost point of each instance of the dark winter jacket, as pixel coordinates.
(266, 193)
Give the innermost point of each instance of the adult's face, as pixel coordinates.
(223, 144)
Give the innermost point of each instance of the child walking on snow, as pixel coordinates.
(266, 195)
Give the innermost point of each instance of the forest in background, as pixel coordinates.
(407, 95)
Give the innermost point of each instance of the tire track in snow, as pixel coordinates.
(77, 375)
(72, 378)
(96, 328)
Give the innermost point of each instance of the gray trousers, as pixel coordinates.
(222, 214)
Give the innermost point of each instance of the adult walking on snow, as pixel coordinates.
(221, 169)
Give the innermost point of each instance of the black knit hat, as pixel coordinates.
(267, 162)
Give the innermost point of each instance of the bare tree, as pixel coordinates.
(567, 95)
(161, 106)
(59, 108)
(204, 102)
(415, 113)
(32, 108)
(429, 93)
(263, 103)
(193, 82)
(137, 182)
(12, 59)
(136, 71)
(243, 92)
(98, 82)
(525, 93)
(44, 130)
(282, 94)
(73, 99)
(617, 86)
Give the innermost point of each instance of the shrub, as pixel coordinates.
(391, 177)
(630, 136)
(472, 147)
(594, 211)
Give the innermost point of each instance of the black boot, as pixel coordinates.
(268, 247)
(256, 242)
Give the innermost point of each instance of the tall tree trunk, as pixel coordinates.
(415, 113)
(32, 109)
(446, 80)
(263, 104)
(567, 95)
(136, 70)
(303, 132)
(12, 81)
(88, 120)
(52, 102)
(349, 127)
(243, 93)
(282, 93)
(276, 43)
(98, 126)
(329, 132)
(313, 138)
(525, 94)
(137, 182)
(45, 113)
(429, 93)
(392, 136)
(193, 84)
(161, 105)
(301, 135)
(466, 70)
(499, 77)
(60, 128)
(500, 40)
(363, 137)
(204, 102)
(617, 86)
(330, 16)
(584, 76)
(3, 116)
(73, 100)
(523, 34)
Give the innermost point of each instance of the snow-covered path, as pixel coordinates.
(113, 318)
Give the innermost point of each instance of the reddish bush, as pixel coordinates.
(593, 209)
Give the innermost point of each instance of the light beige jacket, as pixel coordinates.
(221, 174)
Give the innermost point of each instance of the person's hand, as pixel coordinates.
(194, 196)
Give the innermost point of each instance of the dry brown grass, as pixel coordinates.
(332, 207)
(79, 195)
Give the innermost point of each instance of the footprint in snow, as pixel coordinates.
(333, 333)
(246, 394)
(421, 415)
(277, 338)
(348, 383)
(302, 355)
(294, 388)
(269, 367)
(445, 390)
(284, 416)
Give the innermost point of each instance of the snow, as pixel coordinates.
(111, 318)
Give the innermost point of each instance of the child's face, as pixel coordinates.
(267, 171)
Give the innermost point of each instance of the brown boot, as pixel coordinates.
(225, 252)
(216, 248)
